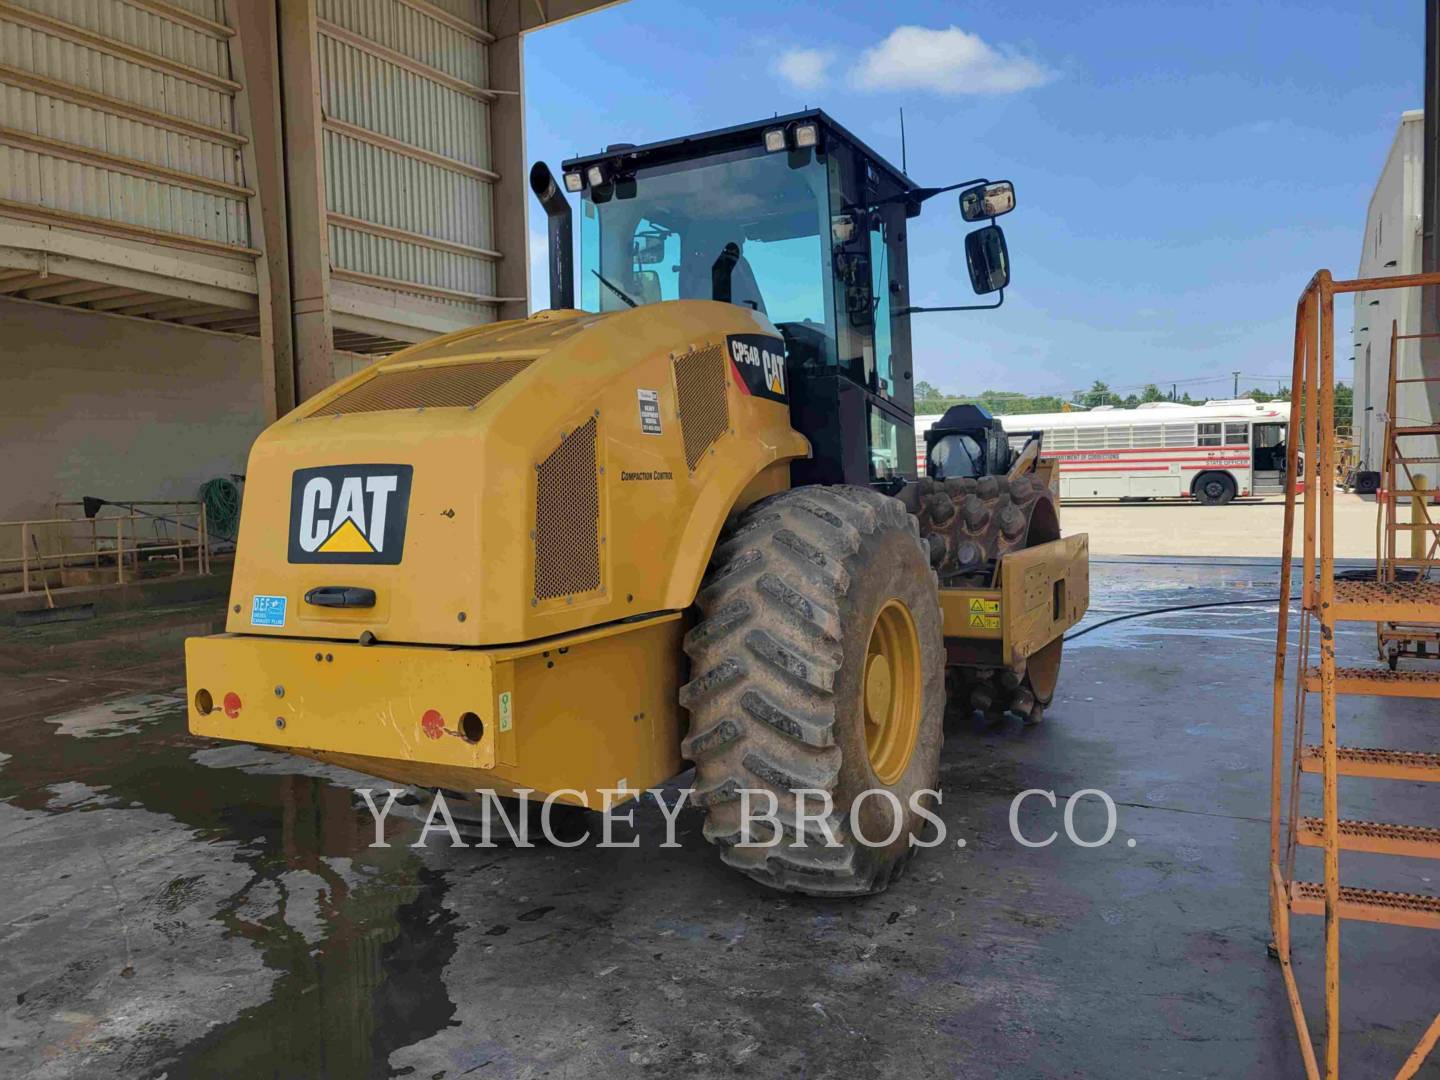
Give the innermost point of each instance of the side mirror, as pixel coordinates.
(988, 259)
(648, 249)
(987, 201)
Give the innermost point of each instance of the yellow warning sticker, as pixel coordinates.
(984, 614)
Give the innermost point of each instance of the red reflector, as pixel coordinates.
(432, 723)
(231, 705)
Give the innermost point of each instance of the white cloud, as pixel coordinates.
(948, 61)
(805, 69)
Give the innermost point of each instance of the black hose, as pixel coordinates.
(1167, 610)
(1359, 574)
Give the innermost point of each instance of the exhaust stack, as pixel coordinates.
(559, 235)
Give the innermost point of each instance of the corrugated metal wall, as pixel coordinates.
(124, 113)
(404, 91)
(408, 180)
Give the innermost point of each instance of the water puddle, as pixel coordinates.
(121, 715)
(353, 939)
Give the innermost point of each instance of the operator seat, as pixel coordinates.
(744, 289)
(695, 279)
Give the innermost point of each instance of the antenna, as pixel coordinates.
(903, 167)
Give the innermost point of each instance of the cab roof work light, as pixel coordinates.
(795, 137)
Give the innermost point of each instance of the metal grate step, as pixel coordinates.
(1419, 841)
(1369, 905)
(1378, 682)
(1385, 601)
(1375, 764)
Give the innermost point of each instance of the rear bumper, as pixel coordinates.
(586, 711)
(303, 694)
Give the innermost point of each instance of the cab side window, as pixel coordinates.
(884, 366)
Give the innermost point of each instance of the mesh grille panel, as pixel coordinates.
(704, 410)
(451, 386)
(567, 518)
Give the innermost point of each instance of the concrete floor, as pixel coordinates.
(1245, 527)
(171, 907)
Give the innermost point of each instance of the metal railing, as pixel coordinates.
(118, 538)
(1324, 602)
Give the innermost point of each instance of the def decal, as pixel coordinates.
(758, 363)
(349, 513)
(267, 611)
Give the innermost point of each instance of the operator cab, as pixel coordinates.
(801, 222)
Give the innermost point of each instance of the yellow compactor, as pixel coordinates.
(679, 522)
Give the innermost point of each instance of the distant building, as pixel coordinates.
(1392, 246)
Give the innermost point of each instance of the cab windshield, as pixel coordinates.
(663, 241)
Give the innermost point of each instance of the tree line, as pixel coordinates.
(931, 399)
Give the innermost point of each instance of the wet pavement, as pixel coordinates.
(175, 907)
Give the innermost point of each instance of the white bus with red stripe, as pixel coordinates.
(1160, 450)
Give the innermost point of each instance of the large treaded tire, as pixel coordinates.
(775, 701)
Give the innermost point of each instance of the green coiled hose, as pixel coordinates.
(221, 497)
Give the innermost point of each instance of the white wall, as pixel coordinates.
(118, 407)
(1392, 246)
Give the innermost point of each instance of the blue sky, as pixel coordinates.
(1181, 169)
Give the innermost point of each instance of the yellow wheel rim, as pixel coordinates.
(892, 691)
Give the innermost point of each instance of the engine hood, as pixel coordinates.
(514, 481)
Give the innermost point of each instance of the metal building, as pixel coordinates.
(211, 209)
(1392, 246)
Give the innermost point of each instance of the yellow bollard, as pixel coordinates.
(1419, 538)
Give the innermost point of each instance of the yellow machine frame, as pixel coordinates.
(1042, 592)
(464, 670)
(546, 381)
